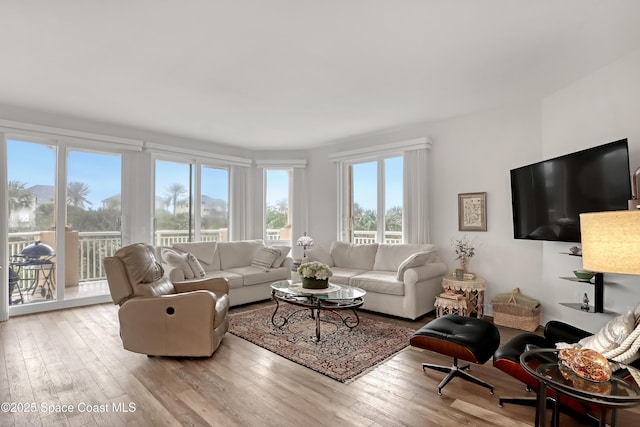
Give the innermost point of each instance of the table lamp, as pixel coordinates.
(304, 241)
(610, 244)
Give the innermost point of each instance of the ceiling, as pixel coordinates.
(283, 74)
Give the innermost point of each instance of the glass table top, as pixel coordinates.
(334, 292)
(615, 390)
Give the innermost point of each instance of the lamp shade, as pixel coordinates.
(611, 241)
(305, 241)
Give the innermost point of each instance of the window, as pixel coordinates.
(373, 187)
(46, 200)
(277, 216)
(180, 216)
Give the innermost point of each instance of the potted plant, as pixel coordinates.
(315, 275)
(465, 250)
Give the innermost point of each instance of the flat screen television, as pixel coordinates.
(549, 196)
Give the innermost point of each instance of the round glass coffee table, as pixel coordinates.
(334, 298)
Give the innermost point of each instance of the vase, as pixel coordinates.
(312, 283)
(464, 264)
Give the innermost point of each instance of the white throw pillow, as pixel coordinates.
(319, 254)
(178, 260)
(611, 335)
(264, 258)
(284, 251)
(415, 260)
(195, 265)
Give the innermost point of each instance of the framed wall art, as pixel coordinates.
(472, 212)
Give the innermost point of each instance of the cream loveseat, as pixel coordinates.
(249, 266)
(400, 279)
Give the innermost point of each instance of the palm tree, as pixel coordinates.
(19, 196)
(77, 193)
(393, 219)
(173, 194)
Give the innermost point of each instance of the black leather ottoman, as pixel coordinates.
(467, 338)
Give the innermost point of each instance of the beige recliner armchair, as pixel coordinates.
(160, 318)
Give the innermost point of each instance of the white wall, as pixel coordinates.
(600, 108)
(470, 154)
(474, 153)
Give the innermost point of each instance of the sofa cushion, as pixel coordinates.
(390, 256)
(235, 280)
(319, 254)
(611, 335)
(355, 256)
(204, 251)
(253, 276)
(239, 253)
(415, 260)
(342, 276)
(380, 282)
(264, 258)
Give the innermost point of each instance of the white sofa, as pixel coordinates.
(400, 279)
(249, 280)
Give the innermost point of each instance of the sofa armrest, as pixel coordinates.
(287, 263)
(557, 331)
(424, 272)
(218, 284)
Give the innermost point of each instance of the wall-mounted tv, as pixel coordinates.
(549, 196)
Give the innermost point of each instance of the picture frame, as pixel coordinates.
(472, 211)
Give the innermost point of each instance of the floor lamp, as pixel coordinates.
(610, 244)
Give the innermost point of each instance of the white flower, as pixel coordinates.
(315, 270)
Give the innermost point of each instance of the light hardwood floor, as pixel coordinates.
(75, 357)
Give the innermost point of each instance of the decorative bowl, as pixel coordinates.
(584, 275)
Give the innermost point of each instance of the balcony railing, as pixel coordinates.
(94, 246)
(361, 236)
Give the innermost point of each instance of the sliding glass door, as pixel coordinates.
(31, 173)
(64, 218)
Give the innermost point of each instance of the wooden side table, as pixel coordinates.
(473, 291)
(451, 306)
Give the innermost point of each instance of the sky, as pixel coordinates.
(34, 164)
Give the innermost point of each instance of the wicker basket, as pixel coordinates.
(514, 314)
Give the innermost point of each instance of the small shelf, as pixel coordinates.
(575, 279)
(569, 253)
(578, 307)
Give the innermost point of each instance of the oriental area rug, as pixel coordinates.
(341, 353)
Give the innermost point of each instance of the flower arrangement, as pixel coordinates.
(465, 250)
(315, 270)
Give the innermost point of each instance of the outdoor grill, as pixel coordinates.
(36, 258)
(37, 251)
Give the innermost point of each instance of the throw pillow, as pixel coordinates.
(195, 265)
(284, 251)
(611, 335)
(264, 258)
(415, 260)
(178, 260)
